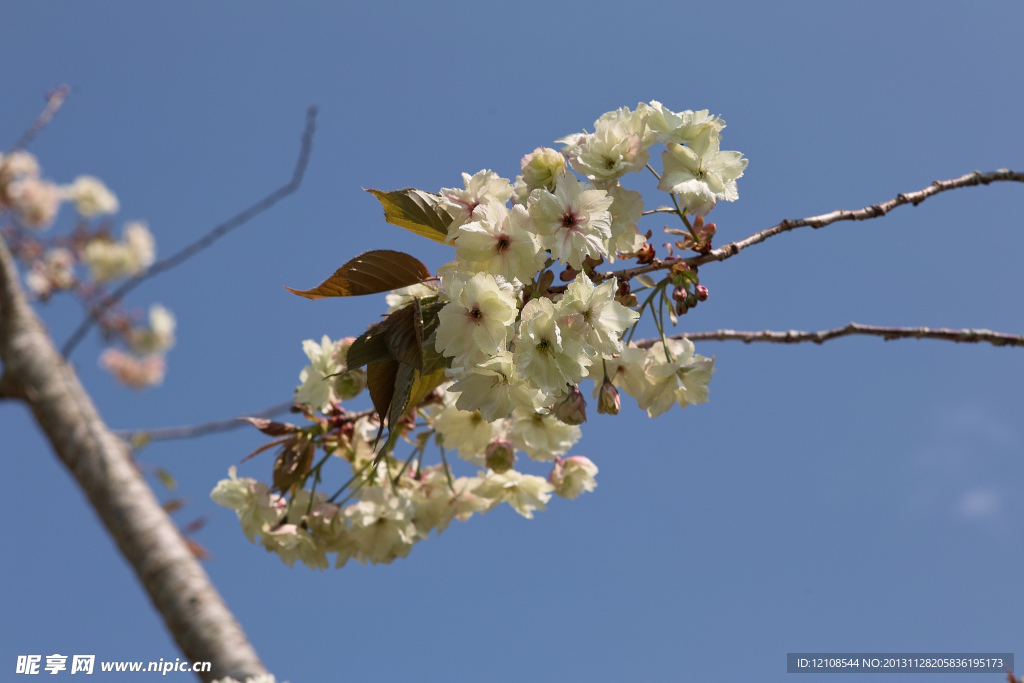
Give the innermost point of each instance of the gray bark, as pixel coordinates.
(181, 591)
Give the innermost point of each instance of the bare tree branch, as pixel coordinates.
(54, 101)
(179, 588)
(868, 212)
(212, 236)
(887, 333)
(192, 431)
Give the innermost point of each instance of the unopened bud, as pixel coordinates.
(500, 456)
(623, 289)
(701, 292)
(679, 293)
(646, 253)
(681, 308)
(680, 274)
(572, 410)
(608, 399)
(628, 300)
(691, 300)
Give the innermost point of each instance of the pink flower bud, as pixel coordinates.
(679, 293)
(702, 292)
(572, 410)
(608, 400)
(500, 456)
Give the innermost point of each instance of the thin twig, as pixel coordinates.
(192, 431)
(215, 234)
(887, 333)
(868, 212)
(54, 101)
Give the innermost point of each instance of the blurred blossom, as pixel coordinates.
(134, 371)
(91, 197)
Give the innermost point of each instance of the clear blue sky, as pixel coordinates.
(858, 496)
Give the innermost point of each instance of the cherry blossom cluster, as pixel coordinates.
(514, 347)
(30, 204)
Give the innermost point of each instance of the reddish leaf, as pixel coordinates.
(196, 549)
(264, 447)
(370, 273)
(269, 427)
(174, 505)
(380, 380)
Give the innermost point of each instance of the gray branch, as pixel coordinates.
(887, 333)
(34, 371)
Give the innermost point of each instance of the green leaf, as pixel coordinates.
(416, 210)
(424, 384)
(647, 281)
(404, 380)
(371, 273)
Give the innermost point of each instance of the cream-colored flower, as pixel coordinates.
(137, 372)
(465, 205)
(542, 435)
(256, 507)
(494, 388)
(572, 476)
(400, 298)
(91, 197)
(701, 174)
(158, 336)
(381, 525)
(546, 354)
(573, 222)
(479, 316)
(681, 376)
(594, 314)
(682, 127)
(110, 260)
(627, 208)
(36, 201)
(501, 242)
(524, 492)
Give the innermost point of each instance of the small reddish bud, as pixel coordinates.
(500, 456)
(679, 293)
(681, 308)
(572, 410)
(608, 402)
(623, 289)
(646, 253)
(701, 292)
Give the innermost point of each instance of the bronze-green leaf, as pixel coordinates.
(404, 379)
(371, 273)
(369, 347)
(380, 380)
(293, 463)
(269, 427)
(416, 210)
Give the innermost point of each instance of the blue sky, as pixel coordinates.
(857, 496)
